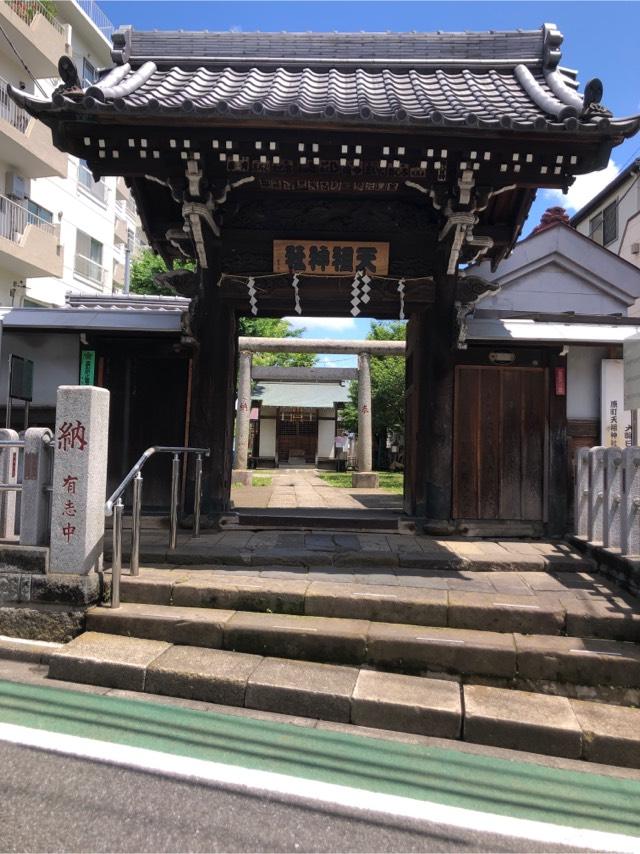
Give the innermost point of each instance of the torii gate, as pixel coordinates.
(364, 477)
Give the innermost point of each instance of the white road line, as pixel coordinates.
(313, 790)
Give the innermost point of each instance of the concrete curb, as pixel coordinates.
(38, 652)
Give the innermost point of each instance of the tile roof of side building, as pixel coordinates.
(467, 81)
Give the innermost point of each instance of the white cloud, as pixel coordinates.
(329, 324)
(236, 28)
(585, 188)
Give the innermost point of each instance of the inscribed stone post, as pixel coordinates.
(596, 494)
(79, 479)
(611, 536)
(631, 502)
(581, 501)
(34, 507)
(8, 474)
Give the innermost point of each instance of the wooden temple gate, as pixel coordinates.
(278, 162)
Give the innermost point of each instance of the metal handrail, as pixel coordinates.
(115, 506)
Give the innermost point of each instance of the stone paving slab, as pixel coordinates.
(110, 660)
(311, 638)
(505, 612)
(441, 650)
(521, 721)
(343, 549)
(610, 734)
(408, 703)
(302, 688)
(190, 626)
(581, 661)
(377, 602)
(212, 675)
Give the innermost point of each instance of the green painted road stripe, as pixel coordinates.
(442, 775)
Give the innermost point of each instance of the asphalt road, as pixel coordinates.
(51, 802)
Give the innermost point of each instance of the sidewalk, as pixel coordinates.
(303, 488)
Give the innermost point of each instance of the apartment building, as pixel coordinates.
(612, 218)
(60, 231)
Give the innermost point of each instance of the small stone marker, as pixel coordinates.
(79, 479)
(581, 502)
(631, 502)
(596, 494)
(8, 474)
(34, 517)
(611, 538)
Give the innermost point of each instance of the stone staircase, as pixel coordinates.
(546, 661)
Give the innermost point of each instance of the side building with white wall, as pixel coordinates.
(60, 231)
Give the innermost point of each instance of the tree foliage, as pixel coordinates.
(272, 327)
(387, 383)
(144, 270)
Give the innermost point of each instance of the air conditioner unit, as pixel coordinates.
(16, 186)
(635, 248)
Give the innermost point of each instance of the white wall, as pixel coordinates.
(326, 439)
(583, 381)
(628, 197)
(55, 357)
(267, 445)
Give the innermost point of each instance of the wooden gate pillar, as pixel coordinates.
(441, 349)
(213, 396)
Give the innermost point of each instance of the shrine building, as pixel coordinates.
(353, 175)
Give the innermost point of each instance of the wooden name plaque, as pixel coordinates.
(330, 257)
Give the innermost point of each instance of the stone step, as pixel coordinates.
(558, 664)
(512, 719)
(578, 605)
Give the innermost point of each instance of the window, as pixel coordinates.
(97, 189)
(37, 212)
(88, 262)
(89, 74)
(603, 227)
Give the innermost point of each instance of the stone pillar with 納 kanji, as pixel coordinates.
(79, 479)
(243, 422)
(364, 477)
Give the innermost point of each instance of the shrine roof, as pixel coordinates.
(469, 81)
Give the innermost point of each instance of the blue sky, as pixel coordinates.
(601, 40)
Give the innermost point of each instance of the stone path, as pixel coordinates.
(303, 488)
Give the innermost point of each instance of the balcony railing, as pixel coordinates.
(89, 269)
(14, 220)
(10, 111)
(97, 189)
(28, 9)
(93, 11)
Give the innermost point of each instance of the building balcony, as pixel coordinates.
(36, 34)
(118, 275)
(122, 191)
(27, 142)
(29, 246)
(121, 231)
(97, 190)
(92, 271)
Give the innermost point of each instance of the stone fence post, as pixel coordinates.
(596, 494)
(8, 474)
(35, 518)
(79, 479)
(612, 534)
(630, 514)
(581, 499)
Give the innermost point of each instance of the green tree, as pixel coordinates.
(272, 327)
(144, 270)
(387, 387)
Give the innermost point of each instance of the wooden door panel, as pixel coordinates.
(489, 462)
(499, 442)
